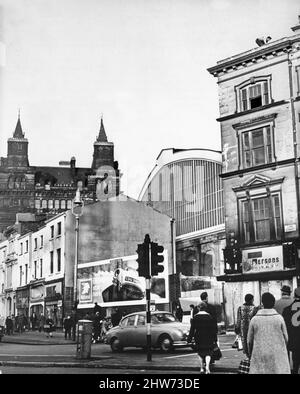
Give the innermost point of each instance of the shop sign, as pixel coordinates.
(53, 291)
(37, 293)
(262, 259)
(22, 299)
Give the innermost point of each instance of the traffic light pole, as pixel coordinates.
(148, 316)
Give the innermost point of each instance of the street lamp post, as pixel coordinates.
(77, 210)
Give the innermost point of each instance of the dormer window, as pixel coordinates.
(253, 93)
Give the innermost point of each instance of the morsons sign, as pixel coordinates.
(262, 259)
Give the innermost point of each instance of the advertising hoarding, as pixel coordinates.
(116, 282)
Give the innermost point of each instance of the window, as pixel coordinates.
(26, 249)
(257, 147)
(58, 260)
(141, 320)
(35, 269)
(42, 241)
(51, 263)
(37, 204)
(52, 232)
(20, 276)
(63, 204)
(21, 248)
(56, 204)
(26, 273)
(44, 204)
(254, 93)
(261, 219)
(35, 244)
(59, 228)
(69, 204)
(41, 268)
(50, 204)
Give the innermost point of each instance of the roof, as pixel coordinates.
(61, 175)
(18, 133)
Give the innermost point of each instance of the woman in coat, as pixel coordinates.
(204, 331)
(244, 315)
(267, 340)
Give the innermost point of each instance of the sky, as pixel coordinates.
(141, 64)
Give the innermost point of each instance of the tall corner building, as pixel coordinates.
(185, 184)
(259, 102)
(45, 190)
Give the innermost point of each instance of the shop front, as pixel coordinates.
(264, 269)
(36, 299)
(22, 301)
(53, 302)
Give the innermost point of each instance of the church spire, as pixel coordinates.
(102, 135)
(18, 133)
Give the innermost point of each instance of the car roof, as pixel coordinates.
(144, 313)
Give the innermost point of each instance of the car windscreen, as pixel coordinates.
(160, 318)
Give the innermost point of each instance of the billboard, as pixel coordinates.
(262, 259)
(116, 282)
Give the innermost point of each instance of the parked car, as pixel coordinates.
(167, 332)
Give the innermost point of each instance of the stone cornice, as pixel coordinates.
(271, 49)
(250, 111)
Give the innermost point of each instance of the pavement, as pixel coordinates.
(60, 352)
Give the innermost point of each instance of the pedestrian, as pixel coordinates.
(210, 308)
(41, 322)
(267, 340)
(98, 308)
(49, 327)
(285, 299)
(193, 311)
(291, 315)
(116, 316)
(33, 320)
(68, 327)
(244, 315)
(178, 312)
(203, 330)
(97, 327)
(9, 325)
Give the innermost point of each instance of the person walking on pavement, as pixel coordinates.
(49, 327)
(116, 316)
(193, 311)
(97, 327)
(244, 314)
(203, 330)
(285, 299)
(41, 322)
(9, 325)
(267, 340)
(291, 315)
(68, 327)
(178, 312)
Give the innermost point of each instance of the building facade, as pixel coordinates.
(37, 266)
(50, 190)
(259, 102)
(185, 184)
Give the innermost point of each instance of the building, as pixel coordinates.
(38, 263)
(259, 101)
(185, 185)
(50, 190)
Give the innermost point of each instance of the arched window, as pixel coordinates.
(11, 182)
(254, 93)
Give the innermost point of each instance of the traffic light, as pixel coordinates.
(156, 258)
(143, 260)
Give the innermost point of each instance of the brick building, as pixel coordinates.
(259, 101)
(50, 190)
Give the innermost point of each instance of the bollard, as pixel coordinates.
(84, 339)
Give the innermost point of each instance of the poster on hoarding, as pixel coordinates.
(117, 282)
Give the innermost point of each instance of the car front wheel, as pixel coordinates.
(166, 344)
(115, 345)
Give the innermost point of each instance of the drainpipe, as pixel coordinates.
(296, 159)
